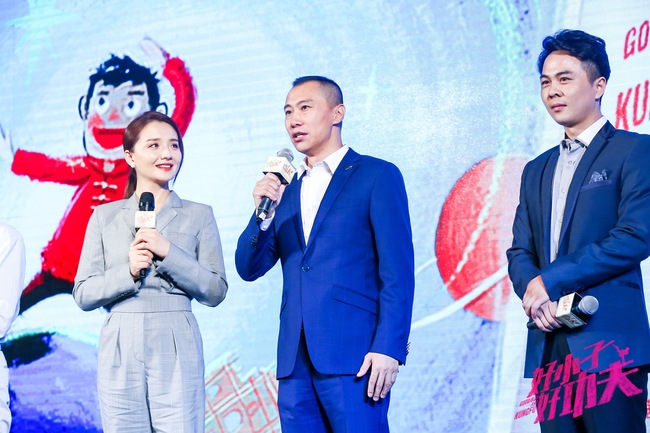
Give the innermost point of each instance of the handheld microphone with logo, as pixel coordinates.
(573, 310)
(145, 217)
(280, 166)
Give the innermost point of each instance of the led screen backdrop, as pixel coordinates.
(448, 90)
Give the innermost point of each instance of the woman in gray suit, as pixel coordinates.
(150, 358)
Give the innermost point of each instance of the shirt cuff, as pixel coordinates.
(264, 225)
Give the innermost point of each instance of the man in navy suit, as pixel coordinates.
(342, 232)
(583, 225)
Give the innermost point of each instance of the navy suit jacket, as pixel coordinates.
(351, 287)
(605, 235)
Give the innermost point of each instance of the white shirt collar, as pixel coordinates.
(331, 162)
(588, 134)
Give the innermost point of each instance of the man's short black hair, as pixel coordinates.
(333, 92)
(589, 49)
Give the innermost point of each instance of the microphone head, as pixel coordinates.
(285, 153)
(280, 165)
(588, 305)
(147, 202)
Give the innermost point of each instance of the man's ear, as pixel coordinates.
(339, 114)
(599, 86)
(82, 102)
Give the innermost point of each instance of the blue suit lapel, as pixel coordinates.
(293, 198)
(341, 175)
(546, 204)
(595, 148)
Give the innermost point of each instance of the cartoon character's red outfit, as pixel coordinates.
(98, 181)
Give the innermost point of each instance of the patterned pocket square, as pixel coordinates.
(598, 177)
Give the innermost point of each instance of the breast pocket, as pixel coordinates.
(594, 185)
(185, 241)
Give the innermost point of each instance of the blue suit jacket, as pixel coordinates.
(351, 286)
(605, 235)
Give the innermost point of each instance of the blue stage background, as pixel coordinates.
(448, 90)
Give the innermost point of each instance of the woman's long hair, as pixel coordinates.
(132, 135)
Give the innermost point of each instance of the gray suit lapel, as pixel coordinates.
(168, 212)
(128, 213)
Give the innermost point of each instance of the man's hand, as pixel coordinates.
(383, 373)
(535, 296)
(545, 317)
(271, 187)
(539, 307)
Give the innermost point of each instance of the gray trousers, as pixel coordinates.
(150, 373)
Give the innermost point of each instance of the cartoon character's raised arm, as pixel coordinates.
(176, 72)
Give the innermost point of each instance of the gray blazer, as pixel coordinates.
(193, 268)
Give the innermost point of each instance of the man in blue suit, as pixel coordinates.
(341, 230)
(583, 225)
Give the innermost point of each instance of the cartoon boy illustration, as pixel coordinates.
(119, 91)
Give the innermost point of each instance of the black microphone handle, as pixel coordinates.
(147, 204)
(263, 208)
(265, 204)
(143, 272)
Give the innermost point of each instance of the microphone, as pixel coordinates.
(145, 217)
(573, 310)
(280, 166)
